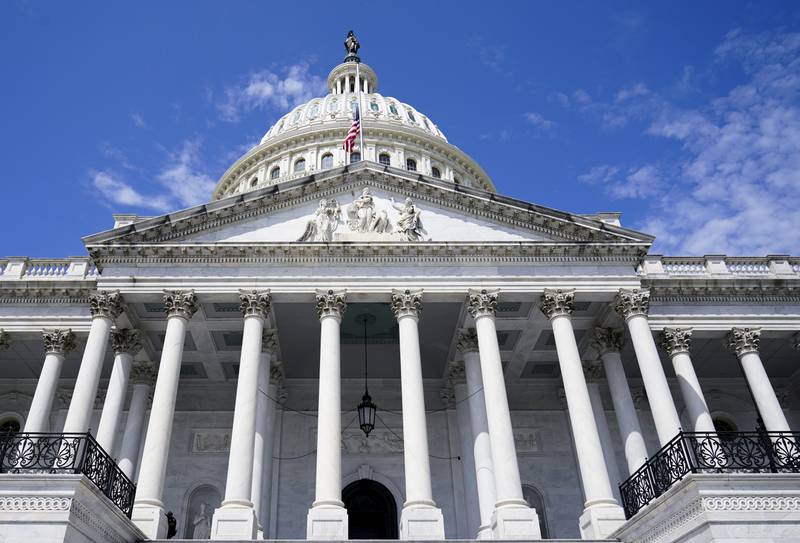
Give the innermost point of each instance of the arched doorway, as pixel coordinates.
(371, 510)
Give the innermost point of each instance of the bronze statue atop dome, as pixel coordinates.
(352, 46)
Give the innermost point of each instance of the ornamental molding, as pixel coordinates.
(482, 303)
(180, 303)
(38, 504)
(607, 340)
(675, 340)
(331, 303)
(144, 373)
(276, 375)
(58, 341)
(447, 394)
(467, 341)
(254, 303)
(31, 293)
(126, 340)
(743, 340)
(632, 302)
(763, 291)
(557, 302)
(406, 303)
(456, 372)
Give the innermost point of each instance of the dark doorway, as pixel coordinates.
(371, 510)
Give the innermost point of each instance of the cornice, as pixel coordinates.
(29, 293)
(766, 292)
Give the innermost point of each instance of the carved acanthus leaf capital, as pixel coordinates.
(482, 303)
(467, 341)
(276, 373)
(143, 372)
(105, 303)
(447, 394)
(607, 340)
(331, 303)
(269, 341)
(632, 302)
(406, 303)
(254, 303)
(593, 369)
(675, 340)
(456, 372)
(126, 340)
(5, 342)
(557, 302)
(58, 341)
(180, 303)
(743, 340)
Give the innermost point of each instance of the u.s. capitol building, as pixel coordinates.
(377, 344)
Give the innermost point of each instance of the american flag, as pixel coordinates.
(352, 134)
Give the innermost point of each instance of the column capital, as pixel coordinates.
(557, 302)
(607, 340)
(254, 303)
(447, 394)
(276, 374)
(467, 340)
(331, 303)
(482, 303)
(58, 341)
(592, 369)
(143, 372)
(269, 341)
(675, 340)
(406, 303)
(632, 302)
(456, 372)
(126, 340)
(5, 342)
(180, 303)
(105, 303)
(743, 340)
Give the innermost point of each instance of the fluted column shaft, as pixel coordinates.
(633, 306)
(126, 343)
(676, 342)
(467, 458)
(265, 431)
(57, 343)
(105, 307)
(134, 425)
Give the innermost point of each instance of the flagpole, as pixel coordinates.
(360, 114)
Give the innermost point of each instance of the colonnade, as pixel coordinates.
(504, 514)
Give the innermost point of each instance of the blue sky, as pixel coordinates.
(684, 116)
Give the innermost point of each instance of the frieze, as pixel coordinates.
(527, 440)
(380, 441)
(210, 441)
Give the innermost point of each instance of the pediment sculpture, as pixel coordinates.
(324, 222)
(363, 217)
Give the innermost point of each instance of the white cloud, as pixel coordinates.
(183, 178)
(538, 121)
(261, 89)
(116, 191)
(138, 120)
(637, 182)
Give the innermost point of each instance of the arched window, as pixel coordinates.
(275, 172)
(411, 116)
(435, 172)
(393, 109)
(312, 113)
(254, 182)
(373, 105)
(296, 116)
(385, 159)
(300, 165)
(327, 161)
(536, 500)
(355, 157)
(332, 105)
(411, 165)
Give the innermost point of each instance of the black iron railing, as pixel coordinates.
(697, 452)
(33, 452)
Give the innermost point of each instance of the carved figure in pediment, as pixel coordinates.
(409, 223)
(324, 223)
(363, 217)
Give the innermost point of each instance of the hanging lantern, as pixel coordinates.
(367, 408)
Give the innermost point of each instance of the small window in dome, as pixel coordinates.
(456, 180)
(385, 159)
(312, 113)
(373, 105)
(296, 116)
(353, 105)
(435, 172)
(300, 165)
(327, 161)
(275, 172)
(424, 120)
(411, 165)
(393, 109)
(280, 125)
(332, 105)
(254, 182)
(411, 116)
(355, 157)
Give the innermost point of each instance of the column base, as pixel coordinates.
(327, 522)
(151, 520)
(234, 523)
(515, 522)
(600, 521)
(421, 522)
(484, 533)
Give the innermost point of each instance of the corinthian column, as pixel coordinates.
(676, 342)
(236, 517)
(142, 375)
(105, 306)
(601, 514)
(633, 305)
(148, 509)
(745, 342)
(608, 343)
(327, 518)
(420, 518)
(512, 518)
(270, 377)
(57, 344)
(125, 343)
(481, 446)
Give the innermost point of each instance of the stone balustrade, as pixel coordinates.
(32, 269)
(720, 266)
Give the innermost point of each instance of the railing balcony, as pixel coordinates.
(697, 452)
(33, 452)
